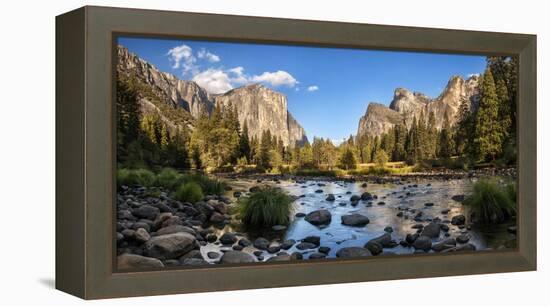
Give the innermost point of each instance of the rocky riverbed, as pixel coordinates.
(330, 219)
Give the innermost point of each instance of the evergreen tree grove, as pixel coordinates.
(487, 134)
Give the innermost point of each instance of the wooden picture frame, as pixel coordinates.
(85, 155)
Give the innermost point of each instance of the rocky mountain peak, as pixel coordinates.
(185, 94)
(409, 105)
(259, 106)
(262, 109)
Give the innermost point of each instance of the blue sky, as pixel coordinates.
(328, 89)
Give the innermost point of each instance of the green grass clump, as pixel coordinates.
(492, 202)
(135, 177)
(169, 178)
(266, 207)
(189, 192)
(208, 185)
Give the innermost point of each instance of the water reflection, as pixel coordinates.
(409, 199)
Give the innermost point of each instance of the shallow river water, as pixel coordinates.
(407, 198)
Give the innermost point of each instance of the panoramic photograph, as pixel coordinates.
(241, 153)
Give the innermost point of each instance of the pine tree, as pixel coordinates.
(264, 151)
(381, 158)
(445, 138)
(421, 137)
(431, 142)
(464, 132)
(488, 135)
(504, 117)
(348, 160)
(128, 112)
(244, 144)
(399, 152)
(412, 143)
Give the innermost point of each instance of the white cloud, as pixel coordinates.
(211, 57)
(313, 88)
(215, 81)
(473, 75)
(182, 56)
(278, 78)
(237, 76)
(219, 80)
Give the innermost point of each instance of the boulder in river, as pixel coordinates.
(141, 235)
(217, 217)
(169, 246)
(317, 255)
(319, 217)
(261, 243)
(448, 243)
(175, 229)
(352, 252)
(234, 257)
(355, 220)
(228, 238)
(458, 197)
(410, 238)
(146, 212)
(316, 240)
(463, 238)
(374, 247)
(330, 198)
(244, 242)
(287, 244)
(366, 196)
(385, 240)
(423, 243)
(431, 230)
(131, 261)
(458, 220)
(283, 257)
(305, 246)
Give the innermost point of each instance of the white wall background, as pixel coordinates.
(27, 152)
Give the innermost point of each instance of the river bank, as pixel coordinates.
(331, 218)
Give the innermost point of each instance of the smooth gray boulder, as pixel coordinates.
(319, 217)
(169, 246)
(233, 257)
(351, 252)
(131, 261)
(355, 220)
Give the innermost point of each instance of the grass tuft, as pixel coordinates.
(169, 178)
(491, 201)
(207, 184)
(266, 207)
(135, 177)
(189, 192)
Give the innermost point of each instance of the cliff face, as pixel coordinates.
(407, 105)
(185, 94)
(260, 107)
(378, 119)
(263, 109)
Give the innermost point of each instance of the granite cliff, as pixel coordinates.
(260, 107)
(407, 105)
